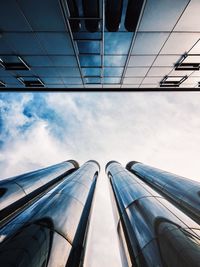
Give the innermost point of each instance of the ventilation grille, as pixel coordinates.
(189, 62)
(172, 81)
(31, 82)
(18, 64)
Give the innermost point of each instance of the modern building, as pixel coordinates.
(68, 44)
(152, 231)
(49, 229)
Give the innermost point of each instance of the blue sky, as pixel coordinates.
(160, 129)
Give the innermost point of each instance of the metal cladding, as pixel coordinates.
(113, 13)
(91, 11)
(182, 192)
(88, 14)
(152, 231)
(16, 191)
(52, 231)
(74, 13)
(133, 13)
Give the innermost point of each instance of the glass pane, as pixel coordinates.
(91, 71)
(92, 47)
(87, 35)
(113, 71)
(114, 61)
(112, 80)
(89, 61)
(93, 80)
(72, 80)
(117, 42)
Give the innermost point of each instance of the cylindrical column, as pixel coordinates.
(52, 231)
(16, 191)
(133, 13)
(182, 192)
(153, 232)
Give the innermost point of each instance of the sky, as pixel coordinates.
(161, 129)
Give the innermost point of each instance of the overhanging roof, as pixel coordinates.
(40, 33)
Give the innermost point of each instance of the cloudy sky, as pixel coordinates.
(160, 129)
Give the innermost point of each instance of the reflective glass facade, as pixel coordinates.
(99, 44)
(152, 232)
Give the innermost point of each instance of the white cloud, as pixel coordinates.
(160, 129)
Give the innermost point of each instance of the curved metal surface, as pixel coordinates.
(113, 13)
(133, 11)
(91, 11)
(63, 214)
(152, 230)
(181, 191)
(16, 191)
(74, 13)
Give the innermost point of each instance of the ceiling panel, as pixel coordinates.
(68, 72)
(12, 18)
(37, 61)
(117, 43)
(137, 80)
(182, 72)
(187, 21)
(114, 61)
(138, 72)
(56, 43)
(141, 61)
(159, 71)
(152, 80)
(166, 60)
(195, 48)
(24, 43)
(180, 43)
(47, 9)
(52, 80)
(161, 15)
(113, 71)
(149, 43)
(37, 32)
(64, 61)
